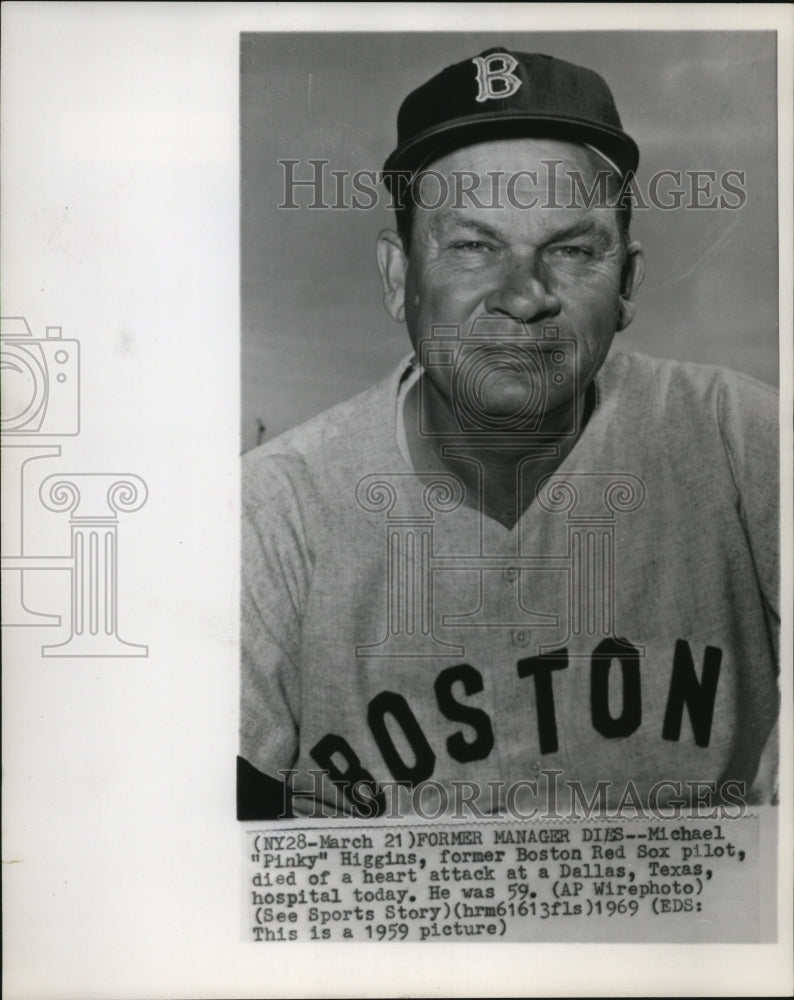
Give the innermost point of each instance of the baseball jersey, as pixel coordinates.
(620, 639)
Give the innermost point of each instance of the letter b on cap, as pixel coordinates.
(495, 77)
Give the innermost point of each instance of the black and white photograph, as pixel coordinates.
(518, 551)
(396, 441)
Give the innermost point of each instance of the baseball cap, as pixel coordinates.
(501, 94)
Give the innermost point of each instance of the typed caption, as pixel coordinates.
(628, 880)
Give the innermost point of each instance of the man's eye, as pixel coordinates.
(572, 251)
(475, 246)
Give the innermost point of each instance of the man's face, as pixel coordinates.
(512, 273)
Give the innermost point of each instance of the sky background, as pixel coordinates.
(314, 331)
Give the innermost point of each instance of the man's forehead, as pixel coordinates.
(504, 182)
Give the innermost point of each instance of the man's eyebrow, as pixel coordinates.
(455, 224)
(585, 227)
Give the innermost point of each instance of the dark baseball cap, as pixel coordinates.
(501, 94)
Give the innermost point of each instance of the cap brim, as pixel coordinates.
(428, 146)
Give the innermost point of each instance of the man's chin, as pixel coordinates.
(520, 412)
(507, 400)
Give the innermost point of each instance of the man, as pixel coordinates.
(525, 560)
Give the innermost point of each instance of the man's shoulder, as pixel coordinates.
(668, 385)
(329, 444)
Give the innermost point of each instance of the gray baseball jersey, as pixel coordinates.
(621, 636)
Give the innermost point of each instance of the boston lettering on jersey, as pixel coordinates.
(687, 691)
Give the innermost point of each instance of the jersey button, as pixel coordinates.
(520, 637)
(511, 573)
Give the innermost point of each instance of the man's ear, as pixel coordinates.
(392, 264)
(631, 279)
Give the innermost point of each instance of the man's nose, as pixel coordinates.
(522, 293)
